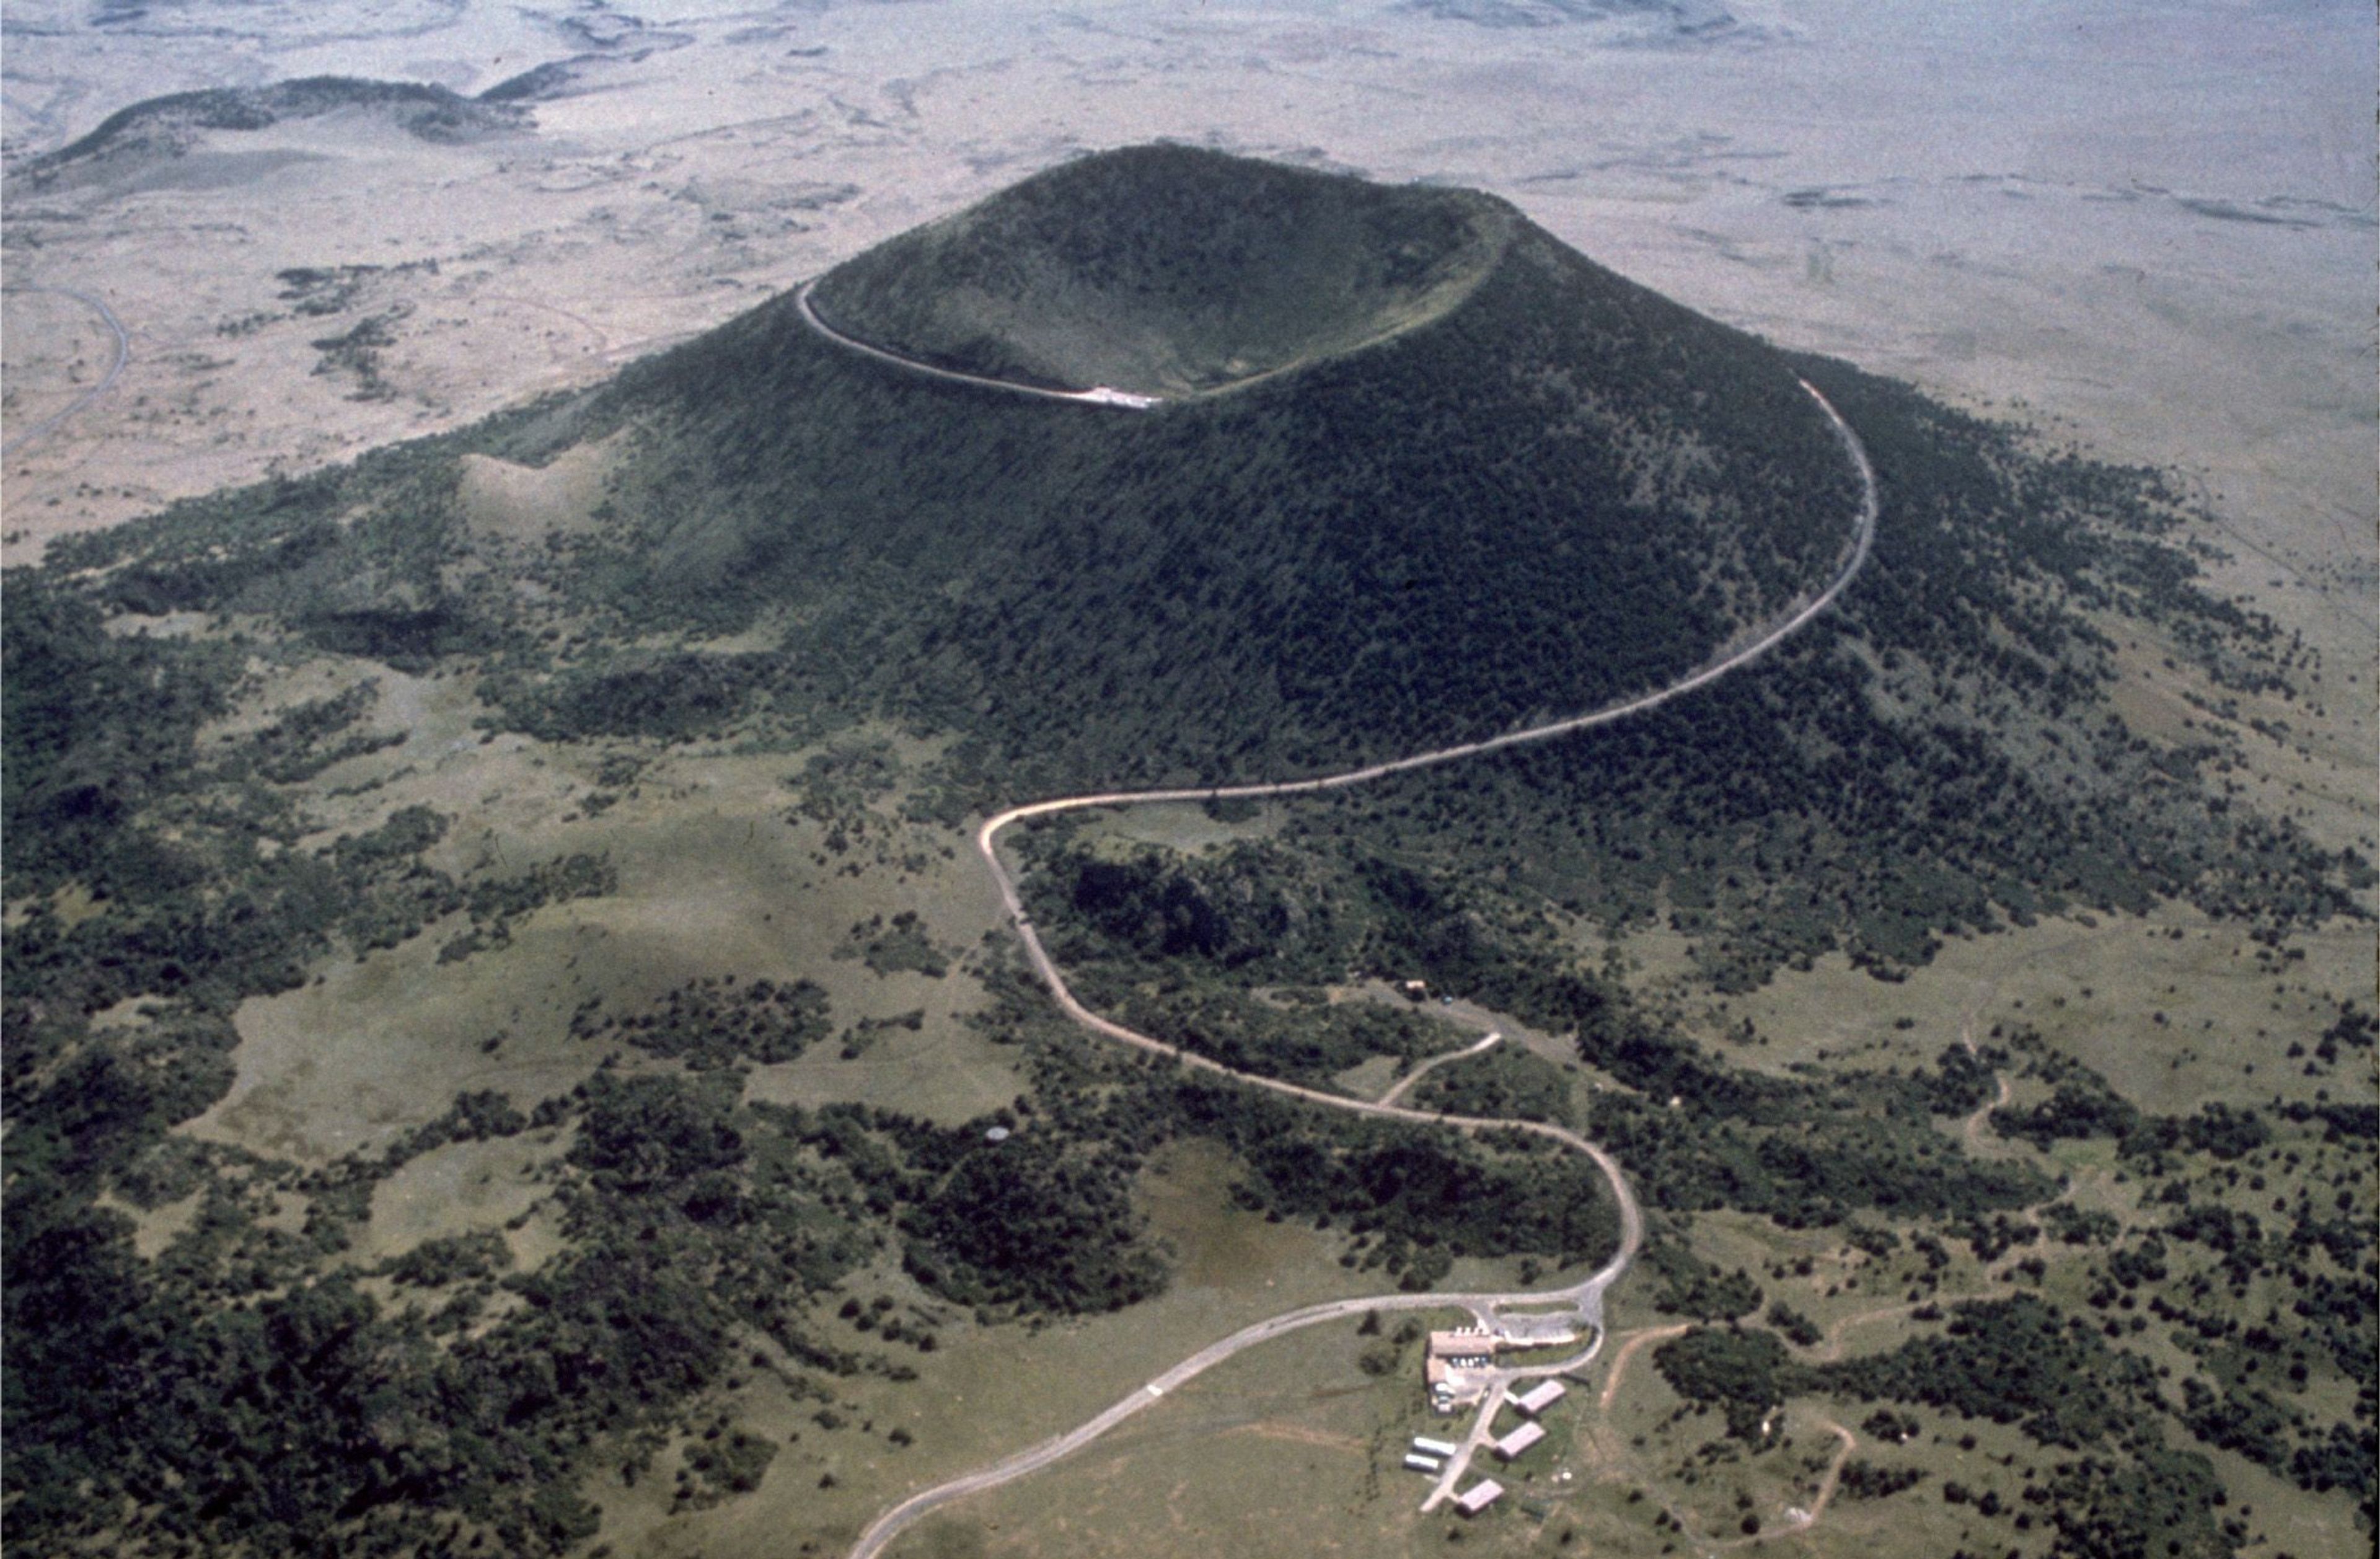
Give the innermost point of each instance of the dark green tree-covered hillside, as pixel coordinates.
(1939, 752)
(1536, 488)
(1561, 489)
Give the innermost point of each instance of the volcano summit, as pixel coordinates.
(1166, 272)
(1423, 473)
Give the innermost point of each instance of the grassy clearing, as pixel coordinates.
(2307, 757)
(986, 1392)
(454, 1189)
(1290, 1448)
(1185, 828)
(715, 878)
(943, 1070)
(155, 1228)
(2094, 986)
(506, 501)
(1370, 1079)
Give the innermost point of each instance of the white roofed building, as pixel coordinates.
(1519, 1441)
(1539, 1397)
(1456, 1367)
(1479, 1496)
(1469, 1347)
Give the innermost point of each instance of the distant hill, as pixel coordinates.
(159, 129)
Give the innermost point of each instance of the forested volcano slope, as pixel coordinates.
(1553, 488)
(1545, 487)
(1560, 489)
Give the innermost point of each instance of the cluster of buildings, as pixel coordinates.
(1429, 1455)
(1531, 1404)
(1456, 1367)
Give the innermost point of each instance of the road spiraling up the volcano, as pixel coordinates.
(1587, 1296)
(1097, 396)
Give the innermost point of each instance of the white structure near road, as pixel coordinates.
(1479, 1496)
(1519, 1440)
(1537, 1398)
(1456, 1367)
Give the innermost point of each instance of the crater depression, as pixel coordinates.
(1167, 272)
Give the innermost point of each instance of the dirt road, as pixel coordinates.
(1433, 1064)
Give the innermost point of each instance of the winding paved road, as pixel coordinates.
(1097, 396)
(1587, 1296)
(123, 356)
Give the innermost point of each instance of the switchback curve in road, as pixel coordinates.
(1587, 1295)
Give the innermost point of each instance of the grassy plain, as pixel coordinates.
(719, 875)
(1293, 1447)
(988, 1392)
(2093, 986)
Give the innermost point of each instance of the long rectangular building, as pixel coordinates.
(1519, 1441)
(1539, 1397)
(1479, 1496)
(1470, 1347)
